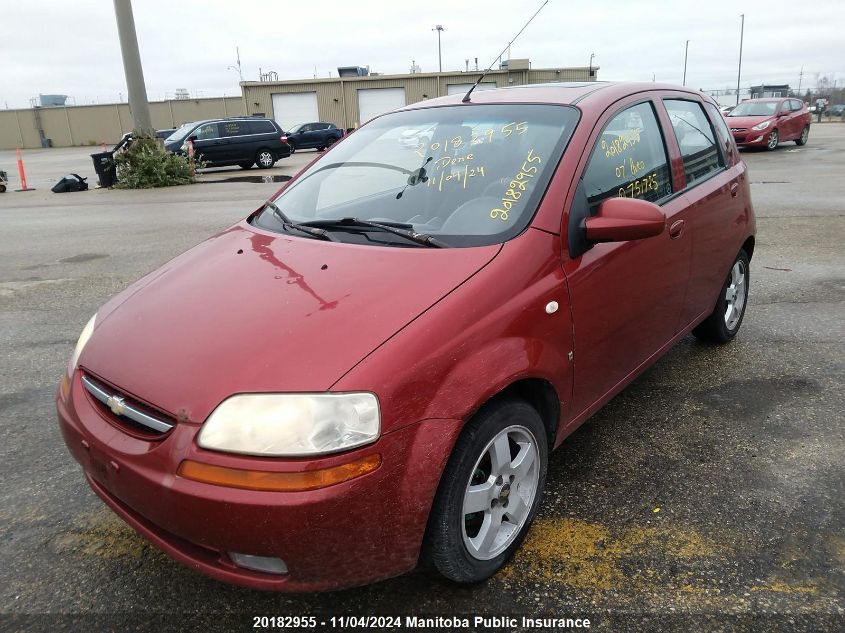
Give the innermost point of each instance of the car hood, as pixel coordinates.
(252, 311)
(745, 121)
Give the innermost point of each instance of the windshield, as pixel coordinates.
(181, 132)
(295, 128)
(758, 108)
(474, 177)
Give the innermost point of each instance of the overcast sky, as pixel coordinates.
(71, 47)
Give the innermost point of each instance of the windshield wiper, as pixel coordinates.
(290, 224)
(397, 228)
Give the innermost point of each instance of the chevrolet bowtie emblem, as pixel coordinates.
(115, 403)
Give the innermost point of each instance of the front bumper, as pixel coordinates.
(751, 138)
(347, 534)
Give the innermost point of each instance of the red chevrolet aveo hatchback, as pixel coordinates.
(372, 368)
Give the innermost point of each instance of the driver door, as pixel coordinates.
(626, 297)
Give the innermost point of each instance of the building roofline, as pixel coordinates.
(456, 73)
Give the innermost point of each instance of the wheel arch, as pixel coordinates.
(748, 247)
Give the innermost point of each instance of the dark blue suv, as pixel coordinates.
(313, 135)
(244, 141)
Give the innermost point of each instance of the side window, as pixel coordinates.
(206, 131)
(306, 128)
(629, 159)
(796, 105)
(261, 127)
(721, 129)
(785, 107)
(233, 128)
(695, 139)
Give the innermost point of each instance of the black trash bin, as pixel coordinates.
(105, 168)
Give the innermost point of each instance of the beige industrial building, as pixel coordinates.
(346, 101)
(351, 101)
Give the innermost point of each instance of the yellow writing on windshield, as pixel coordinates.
(517, 187)
(476, 137)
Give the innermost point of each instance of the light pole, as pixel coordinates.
(686, 54)
(591, 63)
(439, 29)
(237, 68)
(739, 70)
(138, 104)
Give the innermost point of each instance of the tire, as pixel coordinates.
(805, 133)
(772, 140)
(265, 159)
(292, 147)
(455, 541)
(246, 165)
(725, 320)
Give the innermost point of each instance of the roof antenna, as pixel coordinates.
(478, 81)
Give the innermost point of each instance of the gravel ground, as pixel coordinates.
(707, 496)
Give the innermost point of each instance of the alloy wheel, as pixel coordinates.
(500, 492)
(772, 141)
(265, 158)
(735, 295)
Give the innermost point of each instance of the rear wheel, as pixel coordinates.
(489, 493)
(805, 133)
(292, 147)
(265, 159)
(772, 140)
(723, 323)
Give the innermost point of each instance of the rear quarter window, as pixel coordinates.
(261, 127)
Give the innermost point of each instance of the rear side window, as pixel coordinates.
(261, 127)
(721, 130)
(695, 139)
(233, 128)
(629, 159)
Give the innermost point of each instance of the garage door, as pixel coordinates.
(455, 89)
(375, 101)
(290, 109)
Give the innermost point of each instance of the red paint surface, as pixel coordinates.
(434, 333)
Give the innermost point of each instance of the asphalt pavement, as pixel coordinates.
(706, 496)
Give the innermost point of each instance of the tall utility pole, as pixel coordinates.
(686, 54)
(439, 29)
(739, 70)
(237, 68)
(592, 55)
(800, 78)
(138, 104)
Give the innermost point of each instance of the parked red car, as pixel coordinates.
(768, 122)
(374, 365)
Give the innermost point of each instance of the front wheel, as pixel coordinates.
(772, 140)
(265, 159)
(489, 493)
(805, 133)
(723, 323)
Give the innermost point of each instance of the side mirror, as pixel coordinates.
(623, 219)
(193, 138)
(780, 114)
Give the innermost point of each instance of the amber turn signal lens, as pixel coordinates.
(64, 386)
(278, 482)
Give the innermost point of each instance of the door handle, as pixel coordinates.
(734, 189)
(676, 229)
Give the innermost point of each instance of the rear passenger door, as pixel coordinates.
(713, 177)
(626, 297)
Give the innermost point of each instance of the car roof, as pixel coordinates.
(592, 94)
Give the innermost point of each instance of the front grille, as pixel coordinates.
(738, 129)
(127, 411)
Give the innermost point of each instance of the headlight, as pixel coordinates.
(80, 344)
(289, 425)
(762, 126)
